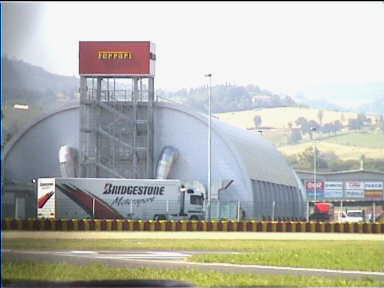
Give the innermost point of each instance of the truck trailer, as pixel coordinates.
(106, 198)
(322, 212)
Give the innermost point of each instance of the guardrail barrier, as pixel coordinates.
(192, 225)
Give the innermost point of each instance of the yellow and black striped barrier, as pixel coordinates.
(186, 225)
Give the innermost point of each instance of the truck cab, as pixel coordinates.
(194, 203)
(191, 203)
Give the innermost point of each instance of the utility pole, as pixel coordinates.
(209, 145)
(314, 165)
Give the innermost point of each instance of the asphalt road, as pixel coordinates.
(173, 260)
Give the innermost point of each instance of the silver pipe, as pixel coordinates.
(167, 158)
(69, 162)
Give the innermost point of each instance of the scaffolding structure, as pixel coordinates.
(116, 127)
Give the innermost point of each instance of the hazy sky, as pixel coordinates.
(282, 46)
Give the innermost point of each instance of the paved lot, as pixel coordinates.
(190, 235)
(172, 260)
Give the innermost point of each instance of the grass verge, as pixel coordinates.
(368, 140)
(190, 244)
(303, 259)
(342, 255)
(361, 256)
(26, 270)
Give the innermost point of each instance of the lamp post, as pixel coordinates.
(209, 144)
(314, 165)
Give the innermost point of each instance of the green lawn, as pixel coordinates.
(350, 255)
(186, 244)
(368, 140)
(342, 255)
(66, 272)
(338, 258)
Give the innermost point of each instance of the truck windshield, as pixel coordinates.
(355, 214)
(196, 200)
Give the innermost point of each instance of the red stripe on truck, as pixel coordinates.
(85, 200)
(44, 199)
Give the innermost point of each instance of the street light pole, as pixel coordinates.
(209, 144)
(314, 165)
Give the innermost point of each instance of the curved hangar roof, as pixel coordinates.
(236, 154)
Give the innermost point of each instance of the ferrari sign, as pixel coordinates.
(116, 58)
(107, 55)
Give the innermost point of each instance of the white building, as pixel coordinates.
(260, 177)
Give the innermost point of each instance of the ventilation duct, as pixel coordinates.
(69, 163)
(167, 158)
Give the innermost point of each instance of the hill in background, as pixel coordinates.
(249, 107)
(43, 92)
(33, 86)
(355, 97)
(376, 107)
(228, 97)
(342, 137)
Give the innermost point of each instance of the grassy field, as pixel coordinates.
(346, 147)
(328, 254)
(280, 117)
(67, 272)
(344, 152)
(368, 140)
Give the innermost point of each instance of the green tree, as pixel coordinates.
(257, 121)
(303, 124)
(320, 115)
(381, 123)
(342, 118)
(313, 127)
(362, 119)
(374, 164)
(305, 160)
(295, 136)
(354, 124)
(338, 126)
(340, 165)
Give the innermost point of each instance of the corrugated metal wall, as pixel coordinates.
(273, 200)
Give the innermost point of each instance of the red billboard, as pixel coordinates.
(311, 186)
(116, 58)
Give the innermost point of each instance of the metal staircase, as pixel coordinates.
(116, 127)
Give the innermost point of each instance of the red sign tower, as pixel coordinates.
(116, 118)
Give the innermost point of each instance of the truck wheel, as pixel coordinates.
(194, 217)
(159, 217)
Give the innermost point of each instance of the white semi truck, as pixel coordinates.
(106, 198)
